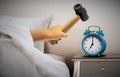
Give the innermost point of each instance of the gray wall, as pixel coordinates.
(104, 13)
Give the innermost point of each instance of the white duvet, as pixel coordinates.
(19, 57)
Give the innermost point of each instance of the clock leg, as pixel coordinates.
(85, 54)
(99, 55)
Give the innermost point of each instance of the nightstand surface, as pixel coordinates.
(104, 56)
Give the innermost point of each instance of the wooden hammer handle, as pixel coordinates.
(67, 27)
(70, 24)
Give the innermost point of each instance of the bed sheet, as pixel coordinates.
(19, 57)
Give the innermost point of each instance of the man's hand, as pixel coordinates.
(54, 33)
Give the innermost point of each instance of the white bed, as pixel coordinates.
(19, 56)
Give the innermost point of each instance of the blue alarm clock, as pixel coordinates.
(93, 42)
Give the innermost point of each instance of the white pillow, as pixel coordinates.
(29, 22)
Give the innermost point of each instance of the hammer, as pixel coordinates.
(81, 13)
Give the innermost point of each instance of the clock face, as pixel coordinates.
(92, 45)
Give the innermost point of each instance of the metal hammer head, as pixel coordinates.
(81, 11)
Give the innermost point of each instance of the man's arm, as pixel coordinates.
(49, 34)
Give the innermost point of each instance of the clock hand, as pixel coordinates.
(92, 39)
(92, 43)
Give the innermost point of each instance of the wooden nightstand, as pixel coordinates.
(108, 65)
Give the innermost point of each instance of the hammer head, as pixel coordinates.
(81, 11)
